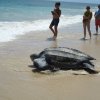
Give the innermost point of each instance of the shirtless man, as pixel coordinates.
(56, 15)
(97, 19)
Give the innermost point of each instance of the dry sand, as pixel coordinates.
(19, 82)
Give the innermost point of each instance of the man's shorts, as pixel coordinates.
(97, 23)
(54, 22)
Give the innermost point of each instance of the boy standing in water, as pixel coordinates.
(86, 21)
(97, 19)
(56, 15)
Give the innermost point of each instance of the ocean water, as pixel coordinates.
(18, 17)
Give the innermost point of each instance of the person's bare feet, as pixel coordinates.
(96, 34)
(83, 39)
(54, 37)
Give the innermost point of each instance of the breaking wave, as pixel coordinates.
(9, 30)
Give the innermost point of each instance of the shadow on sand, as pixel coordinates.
(50, 39)
(49, 72)
(84, 39)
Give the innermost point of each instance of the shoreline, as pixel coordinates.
(71, 29)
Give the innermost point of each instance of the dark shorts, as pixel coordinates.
(54, 22)
(97, 23)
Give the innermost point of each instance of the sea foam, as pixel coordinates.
(9, 30)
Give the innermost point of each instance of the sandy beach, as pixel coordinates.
(19, 82)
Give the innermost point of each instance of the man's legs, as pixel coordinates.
(51, 28)
(84, 27)
(96, 29)
(88, 27)
(97, 25)
(56, 31)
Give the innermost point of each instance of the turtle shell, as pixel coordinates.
(64, 54)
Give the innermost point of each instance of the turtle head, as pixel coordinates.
(34, 56)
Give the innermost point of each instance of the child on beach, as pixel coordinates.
(56, 15)
(86, 21)
(97, 19)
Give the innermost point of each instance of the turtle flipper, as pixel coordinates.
(41, 64)
(89, 69)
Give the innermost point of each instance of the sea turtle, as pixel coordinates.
(63, 58)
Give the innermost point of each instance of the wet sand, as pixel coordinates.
(19, 82)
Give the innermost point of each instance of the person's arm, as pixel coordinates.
(84, 16)
(95, 15)
(58, 15)
(53, 12)
(90, 17)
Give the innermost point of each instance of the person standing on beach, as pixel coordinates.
(97, 19)
(86, 21)
(56, 15)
